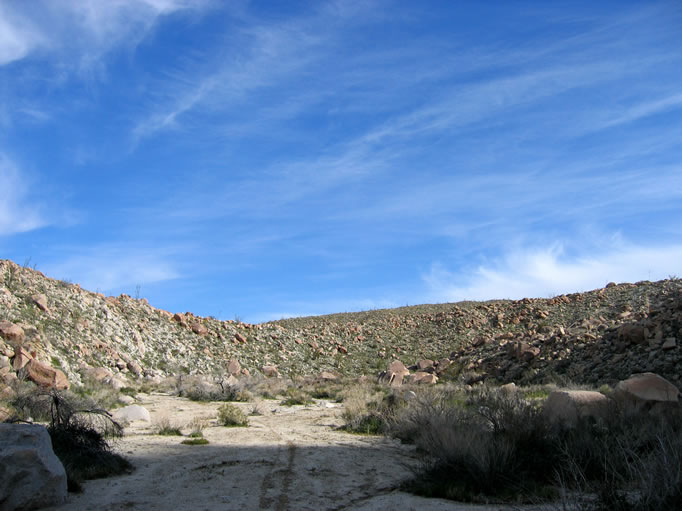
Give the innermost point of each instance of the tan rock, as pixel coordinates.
(21, 358)
(180, 318)
(46, 376)
(421, 377)
(270, 371)
(41, 301)
(328, 376)
(199, 329)
(240, 338)
(12, 333)
(234, 367)
(567, 406)
(645, 389)
(424, 364)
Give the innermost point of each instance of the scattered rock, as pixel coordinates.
(46, 376)
(632, 334)
(270, 371)
(12, 333)
(199, 329)
(31, 475)
(21, 358)
(642, 391)
(131, 413)
(234, 367)
(422, 377)
(41, 301)
(567, 406)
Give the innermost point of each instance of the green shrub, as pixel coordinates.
(231, 416)
(195, 441)
(296, 396)
(164, 427)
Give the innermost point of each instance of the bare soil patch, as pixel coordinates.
(288, 458)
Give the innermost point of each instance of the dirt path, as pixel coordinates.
(289, 458)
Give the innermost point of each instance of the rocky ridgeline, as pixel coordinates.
(599, 336)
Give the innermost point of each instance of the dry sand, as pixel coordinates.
(289, 458)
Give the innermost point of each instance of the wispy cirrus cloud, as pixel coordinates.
(83, 30)
(18, 212)
(549, 270)
(114, 266)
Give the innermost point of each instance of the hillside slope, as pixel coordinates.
(598, 336)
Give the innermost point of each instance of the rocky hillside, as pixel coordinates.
(598, 336)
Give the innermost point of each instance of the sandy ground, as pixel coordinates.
(289, 458)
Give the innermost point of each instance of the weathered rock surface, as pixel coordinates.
(31, 475)
(131, 413)
(46, 376)
(12, 333)
(567, 406)
(645, 390)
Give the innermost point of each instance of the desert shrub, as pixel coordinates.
(165, 427)
(198, 389)
(367, 410)
(496, 445)
(231, 416)
(296, 396)
(256, 410)
(79, 434)
(195, 441)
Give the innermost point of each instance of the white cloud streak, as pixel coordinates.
(108, 268)
(18, 213)
(548, 271)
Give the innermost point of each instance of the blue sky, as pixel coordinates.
(266, 159)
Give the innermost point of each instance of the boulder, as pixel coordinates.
(234, 367)
(31, 475)
(134, 367)
(199, 329)
(644, 390)
(270, 371)
(328, 376)
(422, 377)
(239, 338)
(567, 406)
(46, 376)
(40, 300)
(180, 318)
(632, 334)
(12, 333)
(424, 364)
(131, 413)
(394, 374)
(21, 358)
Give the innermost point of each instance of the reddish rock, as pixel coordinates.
(270, 371)
(632, 334)
(134, 367)
(21, 358)
(342, 349)
(240, 338)
(421, 377)
(12, 333)
(394, 374)
(46, 376)
(180, 318)
(645, 389)
(424, 364)
(567, 406)
(40, 300)
(234, 367)
(199, 329)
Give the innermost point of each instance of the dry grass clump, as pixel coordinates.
(231, 416)
(296, 396)
(165, 427)
(367, 409)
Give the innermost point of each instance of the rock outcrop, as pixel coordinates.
(31, 475)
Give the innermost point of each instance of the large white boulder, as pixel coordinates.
(31, 475)
(643, 391)
(567, 406)
(132, 413)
